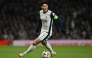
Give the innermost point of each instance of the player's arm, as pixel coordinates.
(38, 25)
(55, 17)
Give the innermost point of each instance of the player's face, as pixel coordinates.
(44, 7)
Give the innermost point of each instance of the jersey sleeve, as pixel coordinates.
(55, 17)
(39, 23)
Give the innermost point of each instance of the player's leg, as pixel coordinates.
(32, 47)
(48, 46)
(43, 38)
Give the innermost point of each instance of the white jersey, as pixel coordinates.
(46, 22)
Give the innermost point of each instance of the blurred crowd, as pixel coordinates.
(18, 19)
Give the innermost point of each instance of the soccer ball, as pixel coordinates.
(46, 54)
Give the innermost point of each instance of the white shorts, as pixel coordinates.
(44, 36)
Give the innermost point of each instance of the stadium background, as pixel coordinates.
(18, 20)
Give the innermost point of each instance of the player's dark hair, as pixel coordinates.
(44, 3)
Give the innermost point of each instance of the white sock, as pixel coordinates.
(32, 47)
(48, 46)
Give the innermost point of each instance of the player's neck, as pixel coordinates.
(45, 11)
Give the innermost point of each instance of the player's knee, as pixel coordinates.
(44, 42)
(34, 43)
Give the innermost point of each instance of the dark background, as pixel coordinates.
(18, 19)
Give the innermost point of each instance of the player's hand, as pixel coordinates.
(64, 32)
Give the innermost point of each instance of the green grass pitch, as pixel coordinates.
(62, 51)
